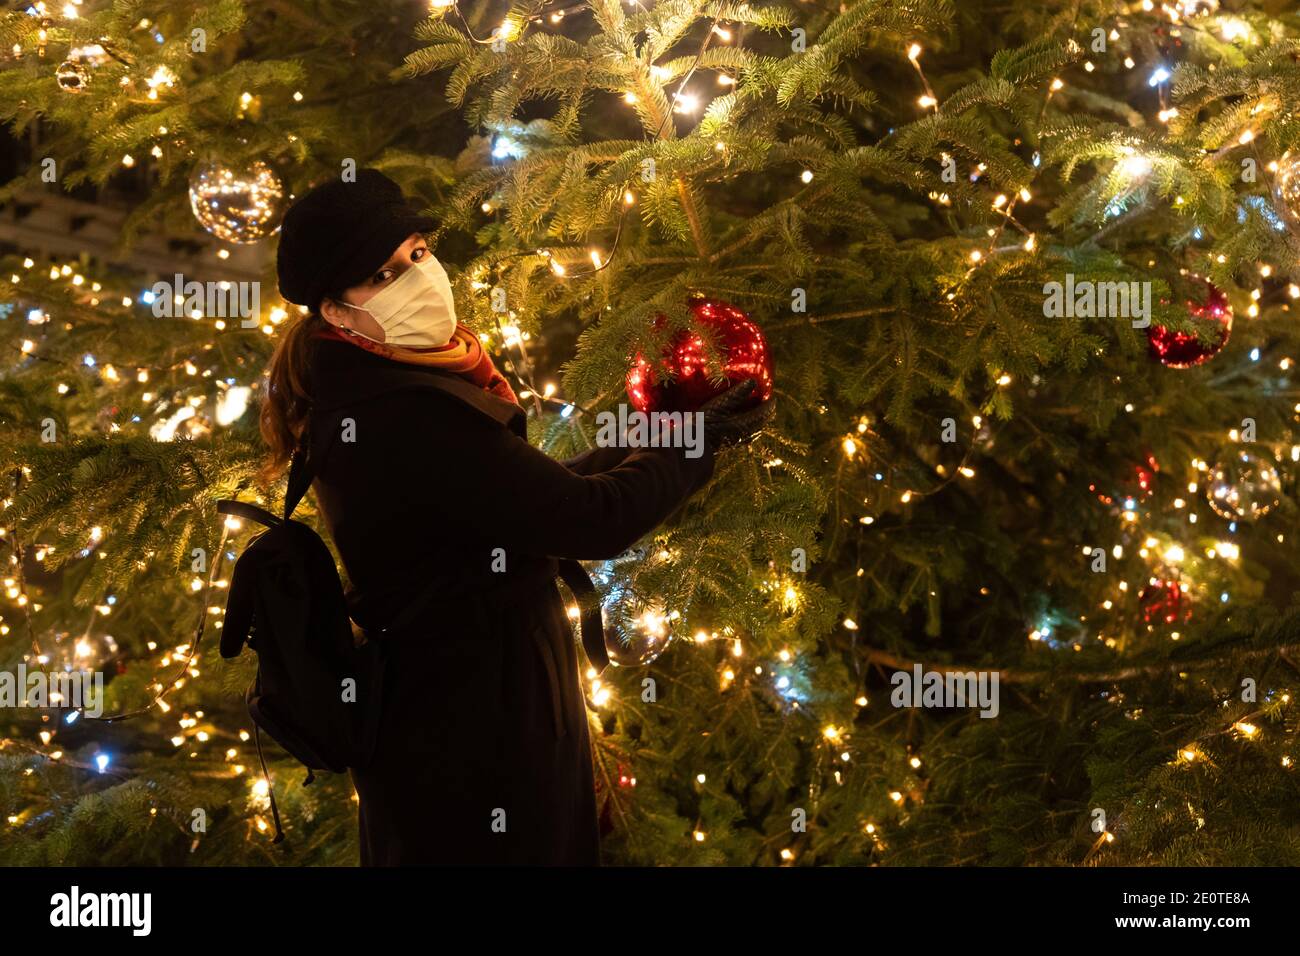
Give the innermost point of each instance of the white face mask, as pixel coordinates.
(416, 309)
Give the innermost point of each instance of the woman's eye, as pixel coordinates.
(382, 276)
(419, 253)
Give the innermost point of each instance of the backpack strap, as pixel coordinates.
(270, 788)
(301, 470)
(304, 465)
(242, 509)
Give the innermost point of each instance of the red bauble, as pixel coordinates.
(682, 380)
(1163, 602)
(1138, 486)
(1185, 349)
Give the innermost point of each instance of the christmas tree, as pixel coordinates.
(1007, 580)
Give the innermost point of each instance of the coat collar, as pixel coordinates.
(343, 375)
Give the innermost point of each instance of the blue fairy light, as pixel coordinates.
(503, 147)
(102, 761)
(1158, 76)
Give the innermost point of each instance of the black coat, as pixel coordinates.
(484, 754)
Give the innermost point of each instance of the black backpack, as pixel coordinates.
(287, 603)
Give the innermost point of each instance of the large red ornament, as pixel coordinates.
(682, 380)
(1185, 349)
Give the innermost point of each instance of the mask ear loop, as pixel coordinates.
(347, 330)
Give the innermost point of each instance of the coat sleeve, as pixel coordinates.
(596, 460)
(485, 478)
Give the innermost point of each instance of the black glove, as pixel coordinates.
(726, 419)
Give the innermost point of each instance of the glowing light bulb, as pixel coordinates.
(1135, 165)
(686, 103)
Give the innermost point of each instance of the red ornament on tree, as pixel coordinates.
(1163, 602)
(683, 381)
(1185, 349)
(1137, 487)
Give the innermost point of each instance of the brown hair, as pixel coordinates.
(288, 394)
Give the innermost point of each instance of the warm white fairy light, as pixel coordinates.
(1135, 165)
(1232, 28)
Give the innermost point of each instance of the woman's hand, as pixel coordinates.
(726, 420)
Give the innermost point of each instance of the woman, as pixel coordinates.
(451, 529)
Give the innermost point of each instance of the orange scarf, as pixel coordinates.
(464, 355)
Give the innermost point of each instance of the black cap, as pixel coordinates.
(341, 232)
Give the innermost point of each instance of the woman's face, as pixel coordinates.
(410, 252)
